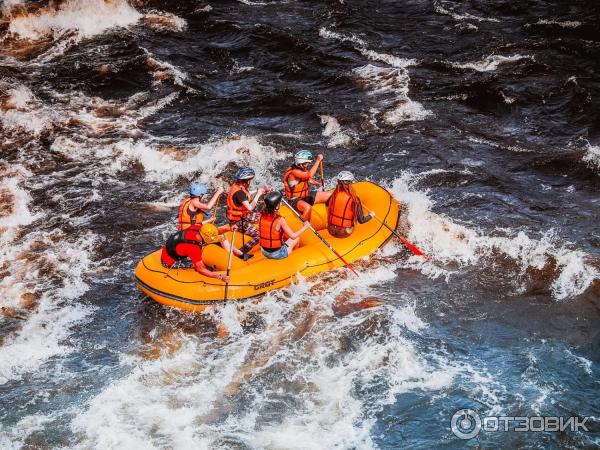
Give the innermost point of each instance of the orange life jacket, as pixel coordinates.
(187, 218)
(270, 237)
(299, 190)
(341, 210)
(235, 212)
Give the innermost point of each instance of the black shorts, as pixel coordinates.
(310, 199)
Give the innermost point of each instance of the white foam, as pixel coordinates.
(164, 21)
(164, 68)
(451, 244)
(592, 157)
(362, 47)
(382, 81)
(491, 63)
(7, 5)
(22, 112)
(562, 24)
(582, 362)
(328, 34)
(86, 18)
(333, 130)
(43, 332)
(513, 148)
(189, 398)
(212, 158)
(437, 6)
(20, 212)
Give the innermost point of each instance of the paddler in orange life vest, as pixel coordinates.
(297, 180)
(184, 249)
(277, 239)
(241, 203)
(344, 208)
(192, 209)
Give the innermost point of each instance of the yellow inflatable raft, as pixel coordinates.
(187, 289)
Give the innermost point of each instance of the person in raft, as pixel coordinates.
(273, 229)
(183, 249)
(241, 203)
(192, 210)
(297, 180)
(344, 208)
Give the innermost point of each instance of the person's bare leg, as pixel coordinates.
(322, 197)
(224, 228)
(227, 247)
(304, 209)
(292, 243)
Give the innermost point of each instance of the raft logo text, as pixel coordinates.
(467, 423)
(266, 284)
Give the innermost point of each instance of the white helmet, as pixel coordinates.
(346, 176)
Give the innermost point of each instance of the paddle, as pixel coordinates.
(232, 243)
(322, 177)
(414, 249)
(214, 214)
(346, 263)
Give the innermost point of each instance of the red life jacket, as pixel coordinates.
(235, 212)
(181, 238)
(299, 190)
(187, 218)
(270, 237)
(341, 210)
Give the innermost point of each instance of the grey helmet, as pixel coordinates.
(345, 176)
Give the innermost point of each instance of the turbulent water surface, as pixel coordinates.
(482, 118)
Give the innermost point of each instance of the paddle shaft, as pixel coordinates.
(214, 214)
(414, 249)
(232, 243)
(346, 263)
(322, 177)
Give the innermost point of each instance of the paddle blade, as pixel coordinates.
(413, 249)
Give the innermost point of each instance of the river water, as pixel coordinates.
(483, 120)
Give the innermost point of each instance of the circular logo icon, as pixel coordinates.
(466, 424)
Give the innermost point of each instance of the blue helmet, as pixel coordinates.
(197, 189)
(303, 156)
(245, 173)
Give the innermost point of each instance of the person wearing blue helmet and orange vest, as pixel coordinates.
(345, 208)
(277, 239)
(241, 203)
(192, 209)
(297, 180)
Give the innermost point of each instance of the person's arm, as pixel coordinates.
(251, 205)
(212, 201)
(265, 188)
(203, 270)
(210, 205)
(360, 215)
(308, 174)
(291, 233)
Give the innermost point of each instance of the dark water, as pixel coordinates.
(482, 118)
